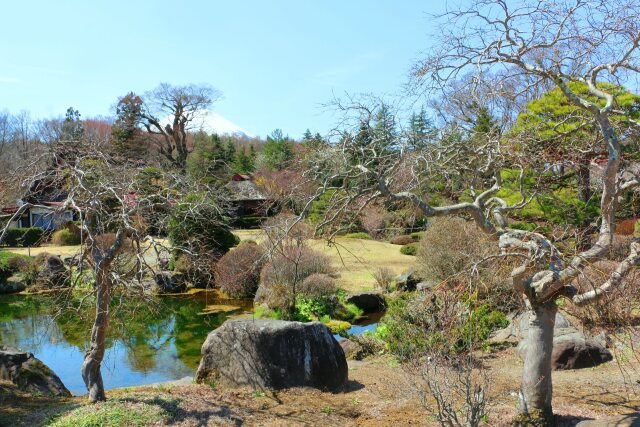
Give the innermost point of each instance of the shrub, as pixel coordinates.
(620, 247)
(449, 246)
(636, 229)
(440, 324)
(23, 237)
(403, 239)
(626, 227)
(318, 286)
(197, 223)
(359, 235)
(617, 307)
(369, 345)
(281, 279)
(65, 237)
(32, 236)
(294, 264)
(417, 235)
(238, 271)
(384, 277)
(410, 249)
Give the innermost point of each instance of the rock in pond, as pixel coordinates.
(12, 285)
(168, 282)
(29, 373)
(368, 302)
(53, 275)
(273, 354)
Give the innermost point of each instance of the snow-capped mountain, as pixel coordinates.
(212, 122)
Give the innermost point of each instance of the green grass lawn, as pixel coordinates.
(354, 259)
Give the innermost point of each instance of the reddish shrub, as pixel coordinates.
(626, 227)
(238, 271)
(402, 240)
(318, 286)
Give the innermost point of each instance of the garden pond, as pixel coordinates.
(151, 342)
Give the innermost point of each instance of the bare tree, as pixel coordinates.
(170, 112)
(548, 42)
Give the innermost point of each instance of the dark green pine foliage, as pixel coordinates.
(243, 163)
(277, 152)
(421, 130)
(127, 136)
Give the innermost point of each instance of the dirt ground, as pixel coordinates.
(378, 394)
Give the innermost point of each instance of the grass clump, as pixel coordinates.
(117, 412)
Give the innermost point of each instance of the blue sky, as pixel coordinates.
(276, 62)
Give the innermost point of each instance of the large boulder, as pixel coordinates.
(53, 274)
(572, 349)
(273, 354)
(168, 282)
(29, 373)
(408, 280)
(12, 285)
(368, 302)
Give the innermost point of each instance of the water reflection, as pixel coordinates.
(159, 340)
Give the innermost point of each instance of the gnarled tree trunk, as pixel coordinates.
(93, 358)
(536, 389)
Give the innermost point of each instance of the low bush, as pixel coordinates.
(339, 327)
(197, 223)
(402, 240)
(318, 286)
(23, 237)
(369, 344)
(294, 264)
(410, 249)
(384, 278)
(359, 235)
(442, 324)
(65, 237)
(238, 271)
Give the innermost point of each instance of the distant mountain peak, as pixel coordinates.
(212, 122)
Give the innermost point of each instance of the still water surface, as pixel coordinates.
(157, 341)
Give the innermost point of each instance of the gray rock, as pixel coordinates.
(53, 274)
(408, 280)
(368, 302)
(29, 373)
(425, 286)
(352, 350)
(169, 282)
(273, 354)
(12, 285)
(627, 420)
(572, 349)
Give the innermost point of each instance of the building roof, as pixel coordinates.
(246, 190)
